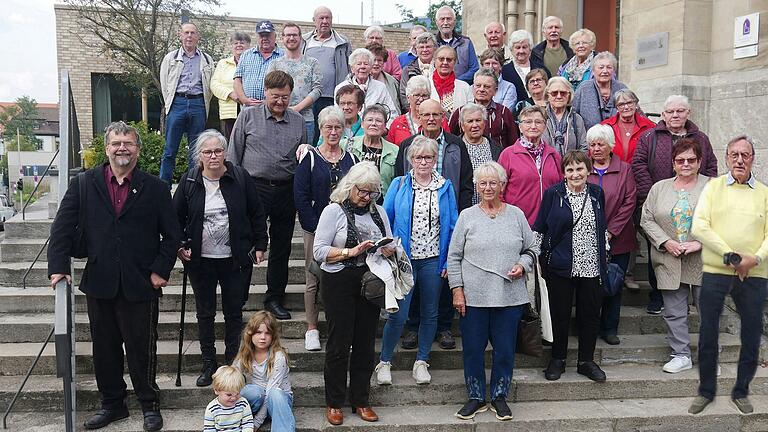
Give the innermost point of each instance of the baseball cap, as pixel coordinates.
(265, 26)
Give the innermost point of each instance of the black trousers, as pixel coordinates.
(234, 283)
(281, 212)
(589, 299)
(352, 322)
(115, 322)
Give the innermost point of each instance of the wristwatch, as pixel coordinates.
(759, 260)
(345, 252)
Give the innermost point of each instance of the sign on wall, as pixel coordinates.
(746, 31)
(652, 51)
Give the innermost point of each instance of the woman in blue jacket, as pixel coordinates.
(316, 176)
(421, 207)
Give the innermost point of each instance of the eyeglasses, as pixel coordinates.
(127, 144)
(683, 161)
(291, 35)
(208, 153)
(445, 59)
(373, 195)
(622, 105)
(532, 122)
(422, 158)
(581, 43)
(557, 93)
(422, 96)
(536, 80)
(332, 128)
(283, 98)
(484, 184)
(679, 111)
(746, 157)
(431, 115)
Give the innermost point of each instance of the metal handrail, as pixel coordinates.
(39, 181)
(26, 378)
(37, 257)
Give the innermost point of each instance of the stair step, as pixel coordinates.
(650, 415)
(638, 349)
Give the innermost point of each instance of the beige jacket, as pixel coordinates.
(656, 221)
(170, 70)
(222, 84)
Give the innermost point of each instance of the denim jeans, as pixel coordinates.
(611, 312)
(749, 296)
(279, 405)
(427, 280)
(186, 116)
(445, 311)
(479, 325)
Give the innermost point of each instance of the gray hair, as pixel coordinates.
(205, 136)
(421, 145)
(419, 82)
(625, 93)
(560, 80)
(418, 27)
(121, 128)
(442, 8)
(487, 72)
(601, 133)
(519, 36)
(471, 108)
(373, 29)
(490, 169)
(738, 138)
(426, 37)
(548, 19)
(584, 32)
(445, 48)
(503, 29)
(605, 55)
(358, 53)
(330, 113)
(239, 36)
(376, 109)
(361, 174)
(677, 99)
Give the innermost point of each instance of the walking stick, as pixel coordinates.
(181, 323)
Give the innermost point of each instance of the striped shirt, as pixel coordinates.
(236, 418)
(252, 68)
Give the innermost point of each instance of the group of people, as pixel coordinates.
(483, 171)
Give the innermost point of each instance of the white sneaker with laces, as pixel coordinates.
(678, 363)
(420, 372)
(383, 373)
(312, 340)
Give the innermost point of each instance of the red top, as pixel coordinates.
(399, 130)
(642, 124)
(118, 193)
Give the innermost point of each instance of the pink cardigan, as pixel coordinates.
(525, 185)
(392, 65)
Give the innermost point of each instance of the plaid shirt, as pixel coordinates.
(252, 69)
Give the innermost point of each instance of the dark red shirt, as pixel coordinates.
(118, 193)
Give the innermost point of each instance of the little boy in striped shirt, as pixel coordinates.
(229, 412)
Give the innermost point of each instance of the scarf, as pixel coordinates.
(536, 152)
(353, 81)
(443, 86)
(560, 130)
(353, 235)
(576, 71)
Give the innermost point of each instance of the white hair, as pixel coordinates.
(471, 108)
(424, 37)
(549, 19)
(677, 99)
(503, 29)
(330, 113)
(490, 169)
(519, 36)
(418, 82)
(360, 52)
(373, 29)
(443, 8)
(601, 133)
(605, 55)
(584, 32)
(421, 145)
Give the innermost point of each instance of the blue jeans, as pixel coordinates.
(426, 278)
(499, 326)
(749, 297)
(309, 125)
(609, 316)
(279, 405)
(186, 116)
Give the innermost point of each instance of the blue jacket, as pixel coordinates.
(312, 186)
(399, 206)
(466, 58)
(555, 221)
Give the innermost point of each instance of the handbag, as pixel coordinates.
(80, 243)
(529, 327)
(373, 289)
(612, 286)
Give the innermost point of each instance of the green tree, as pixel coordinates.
(428, 20)
(19, 123)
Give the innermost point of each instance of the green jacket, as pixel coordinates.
(388, 158)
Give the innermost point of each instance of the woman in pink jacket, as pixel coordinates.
(531, 164)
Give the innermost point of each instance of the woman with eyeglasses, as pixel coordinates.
(373, 147)
(578, 69)
(565, 128)
(347, 228)
(535, 83)
(628, 124)
(451, 92)
(360, 64)
(531, 164)
(417, 91)
(351, 100)
(223, 220)
(594, 100)
(676, 255)
(421, 206)
(317, 175)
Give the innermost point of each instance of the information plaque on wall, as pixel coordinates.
(652, 51)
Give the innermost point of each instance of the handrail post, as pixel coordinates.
(65, 349)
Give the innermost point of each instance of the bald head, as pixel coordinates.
(495, 35)
(431, 117)
(323, 19)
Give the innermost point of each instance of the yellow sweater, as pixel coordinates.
(732, 218)
(222, 84)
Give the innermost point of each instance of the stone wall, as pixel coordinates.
(81, 61)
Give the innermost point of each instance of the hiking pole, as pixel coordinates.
(181, 319)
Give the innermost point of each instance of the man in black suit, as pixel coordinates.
(132, 236)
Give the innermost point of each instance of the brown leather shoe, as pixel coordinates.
(367, 414)
(335, 416)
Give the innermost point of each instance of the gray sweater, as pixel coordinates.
(588, 103)
(483, 250)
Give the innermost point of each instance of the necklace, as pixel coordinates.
(627, 132)
(489, 213)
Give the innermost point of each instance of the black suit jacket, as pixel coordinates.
(508, 73)
(122, 250)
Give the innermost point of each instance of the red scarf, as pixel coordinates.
(445, 85)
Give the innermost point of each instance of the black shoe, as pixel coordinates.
(206, 374)
(500, 407)
(472, 407)
(104, 417)
(654, 308)
(277, 310)
(153, 421)
(410, 340)
(591, 370)
(554, 370)
(445, 340)
(611, 339)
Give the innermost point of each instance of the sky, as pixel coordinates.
(28, 35)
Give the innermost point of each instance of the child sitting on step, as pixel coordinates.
(264, 363)
(229, 411)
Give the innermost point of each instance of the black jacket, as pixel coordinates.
(538, 52)
(122, 250)
(509, 73)
(457, 167)
(247, 220)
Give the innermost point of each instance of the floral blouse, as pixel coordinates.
(425, 223)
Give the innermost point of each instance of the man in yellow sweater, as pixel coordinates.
(730, 222)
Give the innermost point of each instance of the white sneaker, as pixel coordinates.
(312, 340)
(383, 373)
(678, 363)
(420, 372)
